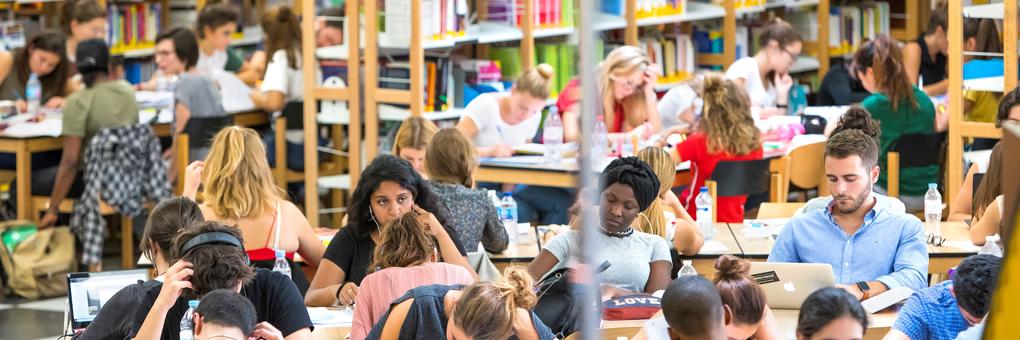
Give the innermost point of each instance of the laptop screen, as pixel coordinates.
(87, 292)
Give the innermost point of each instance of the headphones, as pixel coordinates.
(371, 214)
(216, 237)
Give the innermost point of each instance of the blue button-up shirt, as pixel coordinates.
(888, 248)
(931, 313)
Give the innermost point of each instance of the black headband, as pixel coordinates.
(216, 237)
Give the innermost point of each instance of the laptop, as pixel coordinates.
(787, 285)
(87, 292)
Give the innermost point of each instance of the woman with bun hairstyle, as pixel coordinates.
(725, 133)
(902, 109)
(752, 318)
(683, 231)
(480, 311)
(766, 76)
(495, 122)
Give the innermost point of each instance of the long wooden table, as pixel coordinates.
(878, 324)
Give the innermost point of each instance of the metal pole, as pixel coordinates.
(588, 180)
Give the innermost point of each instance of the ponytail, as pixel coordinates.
(886, 61)
(739, 290)
(488, 310)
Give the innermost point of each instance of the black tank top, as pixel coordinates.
(932, 71)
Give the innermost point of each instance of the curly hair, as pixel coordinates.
(858, 118)
(216, 266)
(390, 168)
(403, 243)
(725, 119)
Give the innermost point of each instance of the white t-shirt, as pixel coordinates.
(629, 257)
(209, 63)
(492, 130)
(674, 102)
(747, 68)
(280, 77)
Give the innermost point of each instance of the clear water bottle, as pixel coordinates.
(991, 246)
(508, 216)
(687, 269)
(166, 84)
(187, 324)
(704, 214)
(552, 136)
(600, 144)
(494, 197)
(933, 209)
(33, 93)
(281, 266)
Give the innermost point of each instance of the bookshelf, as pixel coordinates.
(959, 129)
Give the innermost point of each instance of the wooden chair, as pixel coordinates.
(912, 150)
(281, 174)
(738, 178)
(610, 333)
(809, 171)
(778, 210)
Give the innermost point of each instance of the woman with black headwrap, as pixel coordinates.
(638, 262)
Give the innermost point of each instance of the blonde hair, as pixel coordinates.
(488, 310)
(622, 61)
(238, 181)
(450, 158)
(536, 82)
(726, 118)
(403, 243)
(664, 168)
(414, 133)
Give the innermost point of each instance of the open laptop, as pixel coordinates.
(87, 292)
(787, 285)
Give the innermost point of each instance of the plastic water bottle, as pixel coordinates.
(281, 266)
(187, 324)
(704, 214)
(933, 209)
(33, 93)
(508, 216)
(552, 136)
(495, 201)
(991, 246)
(600, 144)
(166, 84)
(687, 269)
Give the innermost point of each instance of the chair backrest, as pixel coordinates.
(919, 149)
(294, 112)
(806, 166)
(203, 129)
(778, 210)
(738, 178)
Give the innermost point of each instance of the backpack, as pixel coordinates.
(560, 301)
(38, 265)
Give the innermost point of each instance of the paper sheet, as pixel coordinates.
(49, 127)
(331, 317)
(236, 94)
(526, 160)
(964, 245)
(147, 99)
(713, 247)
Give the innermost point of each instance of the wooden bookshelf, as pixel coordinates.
(959, 129)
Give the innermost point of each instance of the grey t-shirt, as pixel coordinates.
(200, 95)
(629, 257)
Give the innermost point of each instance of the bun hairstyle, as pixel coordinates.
(739, 290)
(282, 32)
(885, 59)
(725, 118)
(403, 243)
(858, 118)
(536, 82)
(488, 310)
(664, 168)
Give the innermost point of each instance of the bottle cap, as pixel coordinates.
(193, 303)
(704, 189)
(687, 262)
(280, 253)
(933, 185)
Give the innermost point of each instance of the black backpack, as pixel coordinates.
(560, 301)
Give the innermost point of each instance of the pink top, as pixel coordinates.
(379, 289)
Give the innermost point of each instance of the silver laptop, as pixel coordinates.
(88, 292)
(787, 285)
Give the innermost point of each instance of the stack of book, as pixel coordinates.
(545, 13)
(132, 26)
(440, 19)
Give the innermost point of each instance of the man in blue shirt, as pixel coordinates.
(948, 308)
(871, 248)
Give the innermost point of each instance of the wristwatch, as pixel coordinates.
(863, 286)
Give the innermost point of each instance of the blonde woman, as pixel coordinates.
(483, 310)
(683, 231)
(239, 190)
(495, 122)
(626, 83)
(405, 258)
(412, 139)
(450, 161)
(725, 133)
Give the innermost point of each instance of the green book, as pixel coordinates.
(509, 58)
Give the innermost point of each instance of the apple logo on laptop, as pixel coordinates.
(789, 287)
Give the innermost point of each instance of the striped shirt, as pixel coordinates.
(379, 289)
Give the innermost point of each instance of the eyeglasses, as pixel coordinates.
(935, 240)
(793, 56)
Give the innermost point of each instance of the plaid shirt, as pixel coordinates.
(124, 170)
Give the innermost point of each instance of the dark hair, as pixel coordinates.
(985, 34)
(389, 168)
(331, 13)
(886, 61)
(215, 16)
(858, 118)
(81, 11)
(403, 243)
(225, 308)
(738, 290)
(282, 32)
(55, 82)
(1008, 101)
(974, 282)
(634, 173)
(691, 306)
(939, 17)
(185, 44)
(783, 34)
(853, 142)
(93, 58)
(165, 221)
(216, 266)
(991, 184)
(825, 305)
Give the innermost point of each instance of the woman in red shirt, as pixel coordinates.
(725, 133)
(626, 84)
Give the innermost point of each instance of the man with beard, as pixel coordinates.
(871, 249)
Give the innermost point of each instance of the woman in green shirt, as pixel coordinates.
(902, 109)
